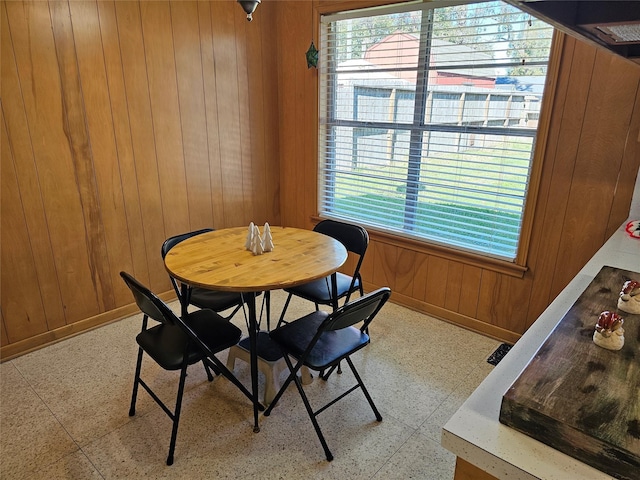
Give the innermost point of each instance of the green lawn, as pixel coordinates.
(474, 198)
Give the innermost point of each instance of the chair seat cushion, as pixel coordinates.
(267, 349)
(168, 344)
(332, 346)
(319, 291)
(215, 332)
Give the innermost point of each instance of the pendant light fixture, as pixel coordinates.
(249, 6)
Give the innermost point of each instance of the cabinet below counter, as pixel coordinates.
(488, 449)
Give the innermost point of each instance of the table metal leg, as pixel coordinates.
(250, 300)
(184, 299)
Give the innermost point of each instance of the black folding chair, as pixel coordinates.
(175, 343)
(356, 240)
(217, 301)
(321, 340)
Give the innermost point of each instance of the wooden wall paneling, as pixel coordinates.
(420, 275)
(366, 269)
(270, 125)
(75, 125)
(538, 240)
(193, 115)
(257, 167)
(569, 107)
(224, 50)
(436, 288)
(99, 119)
(129, 29)
(630, 161)
(4, 338)
(511, 303)
(487, 296)
(310, 101)
(301, 163)
(19, 136)
(469, 290)
(384, 267)
(454, 285)
(211, 111)
(598, 161)
(289, 133)
(39, 72)
(133, 237)
(22, 308)
(405, 271)
(246, 142)
(165, 110)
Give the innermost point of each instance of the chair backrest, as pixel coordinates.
(148, 302)
(171, 242)
(354, 237)
(363, 309)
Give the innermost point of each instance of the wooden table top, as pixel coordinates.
(218, 260)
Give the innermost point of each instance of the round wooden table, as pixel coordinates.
(218, 260)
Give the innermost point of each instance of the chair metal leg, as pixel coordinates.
(364, 389)
(312, 416)
(208, 370)
(284, 309)
(293, 376)
(176, 414)
(136, 382)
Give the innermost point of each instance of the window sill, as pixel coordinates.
(467, 258)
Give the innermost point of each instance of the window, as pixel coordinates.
(428, 120)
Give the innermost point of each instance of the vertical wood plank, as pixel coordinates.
(597, 163)
(211, 112)
(163, 95)
(366, 269)
(227, 91)
(270, 124)
(255, 50)
(244, 112)
(38, 68)
(405, 271)
(100, 143)
(386, 258)
(19, 135)
(421, 273)
(193, 118)
(436, 290)
(310, 102)
(470, 290)
(454, 284)
(567, 119)
(22, 308)
(129, 29)
(4, 338)
(75, 126)
(134, 236)
(629, 170)
(489, 289)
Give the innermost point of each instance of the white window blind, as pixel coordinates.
(428, 120)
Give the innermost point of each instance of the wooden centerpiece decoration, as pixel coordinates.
(581, 399)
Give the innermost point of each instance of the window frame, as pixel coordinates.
(518, 266)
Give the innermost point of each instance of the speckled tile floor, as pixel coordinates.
(64, 410)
